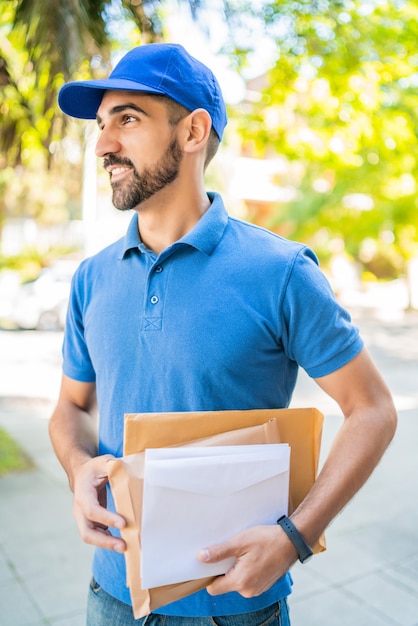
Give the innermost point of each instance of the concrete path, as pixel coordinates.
(367, 577)
(369, 574)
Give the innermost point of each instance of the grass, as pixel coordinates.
(12, 458)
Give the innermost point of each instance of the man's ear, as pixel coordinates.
(197, 126)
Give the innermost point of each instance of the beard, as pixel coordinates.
(128, 194)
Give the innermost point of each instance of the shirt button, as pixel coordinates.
(158, 269)
(154, 299)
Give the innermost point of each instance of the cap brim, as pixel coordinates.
(82, 98)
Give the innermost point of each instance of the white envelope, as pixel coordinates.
(200, 496)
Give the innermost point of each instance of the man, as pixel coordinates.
(195, 311)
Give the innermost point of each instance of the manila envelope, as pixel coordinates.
(300, 428)
(126, 477)
(211, 494)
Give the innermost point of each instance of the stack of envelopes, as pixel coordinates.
(189, 480)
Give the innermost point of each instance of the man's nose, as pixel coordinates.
(107, 143)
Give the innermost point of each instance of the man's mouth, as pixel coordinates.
(117, 172)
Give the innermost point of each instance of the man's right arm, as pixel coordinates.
(73, 432)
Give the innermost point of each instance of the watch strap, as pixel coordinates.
(302, 547)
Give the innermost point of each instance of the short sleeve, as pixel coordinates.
(76, 359)
(318, 331)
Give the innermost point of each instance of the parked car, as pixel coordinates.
(42, 303)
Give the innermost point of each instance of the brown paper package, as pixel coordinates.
(300, 428)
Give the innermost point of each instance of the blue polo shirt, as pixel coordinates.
(221, 319)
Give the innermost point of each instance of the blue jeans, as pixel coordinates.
(104, 610)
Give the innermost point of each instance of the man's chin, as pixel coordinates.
(123, 204)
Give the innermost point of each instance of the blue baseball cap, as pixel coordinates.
(157, 68)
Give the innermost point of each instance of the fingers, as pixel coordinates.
(234, 578)
(92, 517)
(261, 558)
(217, 553)
(94, 532)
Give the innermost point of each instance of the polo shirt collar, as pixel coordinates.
(204, 236)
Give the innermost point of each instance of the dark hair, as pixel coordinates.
(177, 112)
(212, 146)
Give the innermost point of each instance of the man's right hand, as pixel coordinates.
(92, 517)
(73, 432)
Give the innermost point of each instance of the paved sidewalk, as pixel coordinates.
(44, 566)
(367, 577)
(369, 574)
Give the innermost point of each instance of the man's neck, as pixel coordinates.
(165, 219)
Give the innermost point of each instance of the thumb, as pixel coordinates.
(216, 553)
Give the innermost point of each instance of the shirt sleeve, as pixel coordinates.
(76, 359)
(318, 332)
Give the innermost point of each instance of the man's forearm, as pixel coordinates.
(74, 437)
(355, 452)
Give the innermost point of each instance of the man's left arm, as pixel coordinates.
(264, 553)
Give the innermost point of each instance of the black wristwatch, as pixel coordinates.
(303, 549)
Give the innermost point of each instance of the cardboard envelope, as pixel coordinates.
(300, 428)
(195, 497)
(126, 476)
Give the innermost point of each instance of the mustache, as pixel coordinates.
(111, 159)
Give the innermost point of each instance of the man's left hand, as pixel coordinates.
(263, 555)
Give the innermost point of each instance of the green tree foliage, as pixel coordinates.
(341, 105)
(44, 43)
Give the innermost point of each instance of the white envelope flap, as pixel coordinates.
(221, 475)
(186, 451)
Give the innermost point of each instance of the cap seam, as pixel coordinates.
(163, 78)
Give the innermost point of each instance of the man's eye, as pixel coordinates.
(128, 118)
